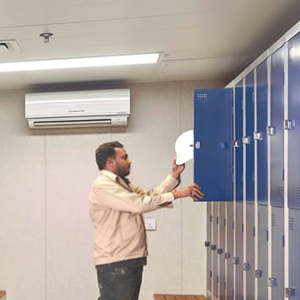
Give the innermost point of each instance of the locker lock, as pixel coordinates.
(227, 255)
(213, 247)
(219, 250)
(272, 281)
(289, 292)
(271, 130)
(207, 243)
(257, 136)
(235, 260)
(197, 145)
(247, 140)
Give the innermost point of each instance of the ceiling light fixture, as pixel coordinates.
(73, 63)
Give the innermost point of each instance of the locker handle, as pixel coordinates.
(213, 247)
(247, 140)
(207, 243)
(258, 136)
(289, 124)
(219, 250)
(272, 281)
(289, 292)
(198, 145)
(236, 144)
(271, 130)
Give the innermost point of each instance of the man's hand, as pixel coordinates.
(177, 169)
(193, 191)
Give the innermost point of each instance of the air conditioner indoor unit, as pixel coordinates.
(78, 109)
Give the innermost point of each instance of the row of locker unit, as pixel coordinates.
(247, 160)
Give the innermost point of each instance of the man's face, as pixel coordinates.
(122, 162)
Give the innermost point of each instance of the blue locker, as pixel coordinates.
(208, 243)
(220, 250)
(294, 253)
(238, 259)
(276, 129)
(214, 250)
(213, 143)
(249, 267)
(229, 251)
(276, 132)
(263, 237)
(261, 134)
(238, 141)
(293, 122)
(294, 163)
(277, 278)
(248, 138)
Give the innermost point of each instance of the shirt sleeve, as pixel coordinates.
(167, 185)
(139, 201)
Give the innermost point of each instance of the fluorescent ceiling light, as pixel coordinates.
(73, 63)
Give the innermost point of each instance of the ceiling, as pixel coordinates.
(197, 39)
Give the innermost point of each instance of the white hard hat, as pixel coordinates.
(184, 147)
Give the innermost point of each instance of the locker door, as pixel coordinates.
(238, 141)
(248, 137)
(263, 252)
(221, 247)
(213, 143)
(261, 134)
(214, 248)
(249, 262)
(262, 181)
(249, 184)
(208, 247)
(277, 137)
(294, 164)
(229, 251)
(238, 259)
(277, 254)
(276, 174)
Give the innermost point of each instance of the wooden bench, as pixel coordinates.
(2, 294)
(178, 297)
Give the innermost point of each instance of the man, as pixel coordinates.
(116, 208)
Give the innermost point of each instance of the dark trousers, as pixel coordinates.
(119, 283)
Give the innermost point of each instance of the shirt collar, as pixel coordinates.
(116, 178)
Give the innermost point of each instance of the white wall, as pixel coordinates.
(46, 237)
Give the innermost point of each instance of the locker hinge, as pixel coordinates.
(272, 281)
(213, 247)
(207, 243)
(235, 260)
(219, 250)
(257, 136)
(246, 267)
(227, 255)
(289, 124)
(271, 130)
(289, 292)
(258, 273)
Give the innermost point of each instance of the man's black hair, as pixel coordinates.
(106, 150)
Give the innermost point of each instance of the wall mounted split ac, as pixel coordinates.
(78, 109)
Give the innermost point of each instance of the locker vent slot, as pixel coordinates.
(291, 224)
(273, 220)
(298, 192)
(259, 217)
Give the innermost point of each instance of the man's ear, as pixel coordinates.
(110, 161)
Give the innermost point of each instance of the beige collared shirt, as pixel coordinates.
(116, 210)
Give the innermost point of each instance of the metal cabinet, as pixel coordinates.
(213, 143)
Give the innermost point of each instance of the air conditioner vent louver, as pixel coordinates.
(78, 109)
